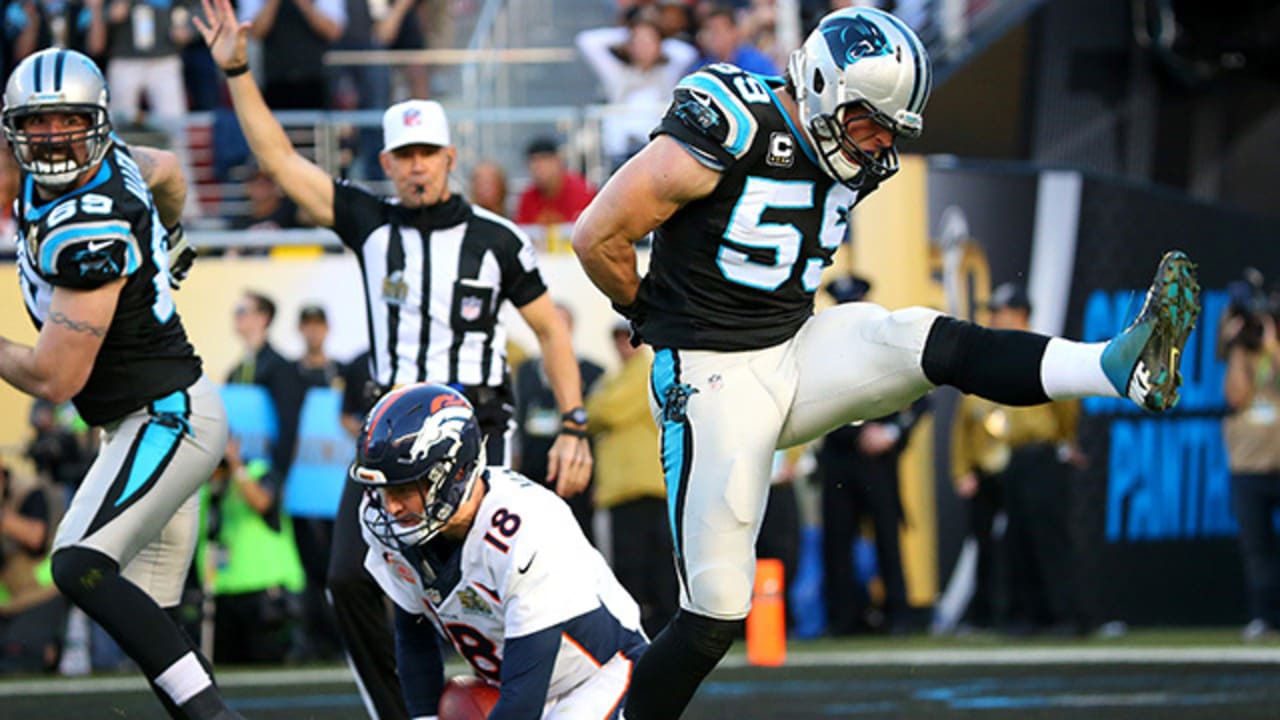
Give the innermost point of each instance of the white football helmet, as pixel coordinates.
(860, 61)
(64, 81)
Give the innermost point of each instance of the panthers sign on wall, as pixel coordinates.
(1151, 515)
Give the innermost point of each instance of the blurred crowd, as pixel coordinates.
(159, 71)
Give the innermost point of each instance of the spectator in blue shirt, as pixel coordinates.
(720, 40)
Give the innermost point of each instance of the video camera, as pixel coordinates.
(1249, 300)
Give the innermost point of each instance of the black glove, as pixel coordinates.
(181, 255)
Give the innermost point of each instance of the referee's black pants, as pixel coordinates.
(361, 614)
(359, 605)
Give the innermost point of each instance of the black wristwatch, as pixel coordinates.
(577, 416)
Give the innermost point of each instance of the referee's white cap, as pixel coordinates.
(414, 122)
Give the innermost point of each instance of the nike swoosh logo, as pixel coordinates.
(99, 245)
(527, 565)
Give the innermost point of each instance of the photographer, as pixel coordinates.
(1252, 432)
(31, 610)
(256, 573)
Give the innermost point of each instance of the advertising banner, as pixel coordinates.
(1151, 516)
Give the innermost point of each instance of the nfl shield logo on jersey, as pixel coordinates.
(471, 308)
(782, 150)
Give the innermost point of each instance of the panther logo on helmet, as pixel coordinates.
(855, 38)
(860, 62)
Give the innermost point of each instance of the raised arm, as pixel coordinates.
(595, 48)
(310, 187)
(643, 193)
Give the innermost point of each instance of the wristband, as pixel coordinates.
(574, 432)
(577, 416)
(236, 71)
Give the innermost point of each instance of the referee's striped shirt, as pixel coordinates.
(434, 279)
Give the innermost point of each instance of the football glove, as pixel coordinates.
(181, 255)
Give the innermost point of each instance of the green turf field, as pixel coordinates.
(1156, 675)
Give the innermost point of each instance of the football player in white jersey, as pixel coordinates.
(746, 188)
(492, 561)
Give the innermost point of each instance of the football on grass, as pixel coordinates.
(467, 698)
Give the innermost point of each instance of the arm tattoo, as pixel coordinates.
(146, 164)
(62, 319)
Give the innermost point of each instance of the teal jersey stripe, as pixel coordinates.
(106, 230)
(740, 133)
(35, 211)
(158, 441)
(664, 377)
(174, 403)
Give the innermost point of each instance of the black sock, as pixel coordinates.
(999, 365)
(132, 618)
(675, 664)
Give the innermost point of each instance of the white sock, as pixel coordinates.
(1071, 369)
(184, 679)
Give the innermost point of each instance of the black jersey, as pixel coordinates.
(434, 279)
(104, 230)
(737, 270)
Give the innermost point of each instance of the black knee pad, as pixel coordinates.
(77, 571)
(710, 637)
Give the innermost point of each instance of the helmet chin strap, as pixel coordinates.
(836, 149)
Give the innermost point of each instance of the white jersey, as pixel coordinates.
(524, 568)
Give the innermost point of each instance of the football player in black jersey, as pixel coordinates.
(94, 266)
(746, 187)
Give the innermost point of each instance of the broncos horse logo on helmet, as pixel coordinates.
(860, 61)
(425, 436)
(57, 81)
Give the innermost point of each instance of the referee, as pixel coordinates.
(435, 271)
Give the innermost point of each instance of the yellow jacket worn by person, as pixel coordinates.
(628, 464)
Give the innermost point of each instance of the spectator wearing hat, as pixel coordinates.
(436, 270)
(858, 467)
(1018, 461)
(314, 535)
(315, 367)
(555, 194)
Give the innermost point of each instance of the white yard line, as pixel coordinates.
(1026, 656)
(805, 658)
